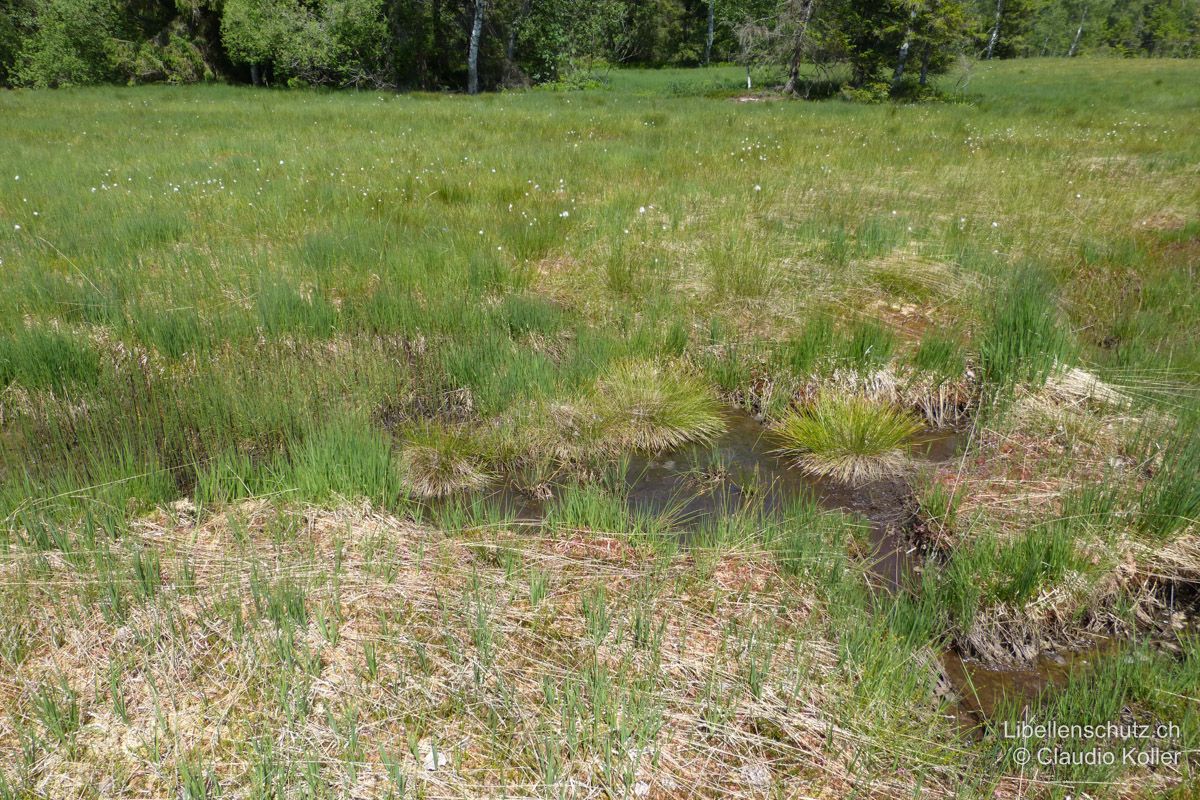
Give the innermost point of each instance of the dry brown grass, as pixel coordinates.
(1069, 434)
(201, 687)
(941, 403)
(1021, 472)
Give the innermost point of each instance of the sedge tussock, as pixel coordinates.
(940, 401)
(437, 462)
(644, 405)
(849, 438)
(908, 273)
(568, 430)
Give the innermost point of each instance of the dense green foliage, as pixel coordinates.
(425, 43)
(1070, 27)
(337, 42)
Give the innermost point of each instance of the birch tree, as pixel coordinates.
(708, 38)
(994, 36)
(1074, 48)
(902, 59)
(473, 46)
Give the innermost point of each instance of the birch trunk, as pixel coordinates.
(1078, 34)
(473, 50)
(903, 58)
(995, 29)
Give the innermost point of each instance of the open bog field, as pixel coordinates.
(651, 440)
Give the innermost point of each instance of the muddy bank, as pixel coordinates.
(980, 690)
(697, 484)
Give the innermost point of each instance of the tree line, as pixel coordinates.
(871, 46)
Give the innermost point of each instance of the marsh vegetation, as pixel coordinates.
(278, 400)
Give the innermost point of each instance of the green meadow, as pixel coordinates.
(265, 355)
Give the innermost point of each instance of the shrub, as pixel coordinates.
(71, 43)
(178, 60)
(12, 35)
(331, 42)
(874, 92)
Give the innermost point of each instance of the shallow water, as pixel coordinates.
(981, 690)
(745, 457)
(695, 485)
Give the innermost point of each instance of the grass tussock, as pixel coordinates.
(1024, 339)
(848, 438)
(644, 405)
(437, 462)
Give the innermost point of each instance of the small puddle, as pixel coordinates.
(982, 691)
(698, 483)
